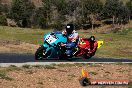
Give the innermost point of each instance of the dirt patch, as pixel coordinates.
(126, 50)
(17, 47)
(65, 77)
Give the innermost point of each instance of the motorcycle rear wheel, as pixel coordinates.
(89, 56)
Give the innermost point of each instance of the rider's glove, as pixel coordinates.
(52, 33)
(71, 44)
(64, 33)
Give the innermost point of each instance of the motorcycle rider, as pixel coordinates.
(93, 44)
(73, 38)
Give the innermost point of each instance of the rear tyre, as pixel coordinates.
(93, 53)
(39, 53)
(87, 56)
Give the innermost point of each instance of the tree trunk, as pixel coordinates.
(82, 14)
(47, 19)
(92, 22)
(129, 19)
(92, 26)
(113, 20)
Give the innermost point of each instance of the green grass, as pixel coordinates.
(13, 68)
(26, 66)
(65, 65)
(130, 85)
(72, 75)
(5, 70)
(38, 66)
(29, 71)
(49, 67)
(4, 76)
(34, 36)
(93, 73)
(116, 45)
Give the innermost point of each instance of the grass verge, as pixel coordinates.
(4, 76)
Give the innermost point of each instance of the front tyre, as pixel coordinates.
(39, 54)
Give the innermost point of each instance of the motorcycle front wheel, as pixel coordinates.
(39, 54)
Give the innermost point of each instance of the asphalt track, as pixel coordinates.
(24, 58)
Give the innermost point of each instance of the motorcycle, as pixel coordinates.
(51, 47)
(83, 49)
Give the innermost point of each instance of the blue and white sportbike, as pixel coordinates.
(51, 48)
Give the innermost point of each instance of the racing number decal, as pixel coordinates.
(50, 39)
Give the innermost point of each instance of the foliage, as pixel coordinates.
(4, 8)
(115, 9)
(60, 10)
(39, 18)
(0, 7)
(111, 7)
(3, 20)
(123, 14)
(93, 6)
(129, 5)
(90, 10)
(22, 10)
(57, 13)
(47, 4)
(61, 6)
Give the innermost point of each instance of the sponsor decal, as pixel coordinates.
(86, 80)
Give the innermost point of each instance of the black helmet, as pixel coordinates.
(92, 38)
(69, 28)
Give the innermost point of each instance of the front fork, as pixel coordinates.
(46, 48)
(47, 51)
(50, 52)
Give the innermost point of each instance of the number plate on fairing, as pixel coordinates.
(50, 39)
